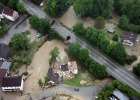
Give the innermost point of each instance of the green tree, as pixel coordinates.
(117, 6)
(54, 53)
(53, 33)
(79, 28)
(117, 52)
(136, 70)
(21, 8)
(34, 21)
(73, 49)
(83, 55)
(97, 69)
(20, 41)
(41, 25)
(99, 23)
(83, 7)
(40, 83)
(124, 21)
(56, 7)
(12, 4)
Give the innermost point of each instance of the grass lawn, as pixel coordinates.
(76, 81)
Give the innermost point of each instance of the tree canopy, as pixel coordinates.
(42, 25)
(136, 70)
(92, 8)
(20, 41)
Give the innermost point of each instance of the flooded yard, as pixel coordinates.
(69, 19)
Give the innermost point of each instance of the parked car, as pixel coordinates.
(76, 89)
(38, 35)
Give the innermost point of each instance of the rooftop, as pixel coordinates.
(6, 65)
(131, 36)
(8, 11)
(12, 81)
(53, 76)
(4, 50)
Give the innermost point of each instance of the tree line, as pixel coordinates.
(130, 12)
(98, 39)
(42, 25)
(108, 90)
(82, 56)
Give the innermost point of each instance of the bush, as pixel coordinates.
(40, 83)
(18, 53)
(27, 32)
(3, 31)
(19, 60)
(25, 54)
(4, 21)
(25, 73)
(47, 79)
(28, 60)
(115, 38)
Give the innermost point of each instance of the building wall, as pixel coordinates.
(12, 18)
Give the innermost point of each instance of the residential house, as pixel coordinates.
(118, 95)
(54, 77)
(4, 51)
(3, 73)
(10, 14)
(129, 38)
(14, 83)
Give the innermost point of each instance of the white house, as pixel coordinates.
(129, 38)
(12, 83)
(10, 14)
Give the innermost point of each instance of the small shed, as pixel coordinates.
(6, 65)
(110, 30)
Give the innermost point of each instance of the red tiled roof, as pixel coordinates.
(8, 11)
(2, 74)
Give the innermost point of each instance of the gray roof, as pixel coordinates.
(4, 50)
(120, 95)
(6, 65)
(53, 76)
(110, 30)
(131, 36)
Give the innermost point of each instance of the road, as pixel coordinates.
(86, 93)
(6, 38)
(116, 70)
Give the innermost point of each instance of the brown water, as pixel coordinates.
(69, 19)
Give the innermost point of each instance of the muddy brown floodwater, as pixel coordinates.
(69, 19)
